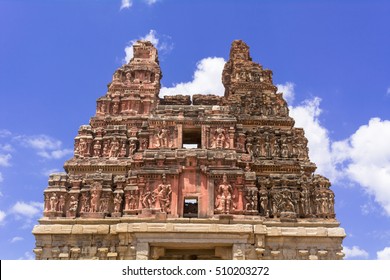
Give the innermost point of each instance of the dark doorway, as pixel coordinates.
(190, 208)
(192, 138)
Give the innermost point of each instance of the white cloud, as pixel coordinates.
(29, 210)
(388, 92)
(206, 79)
(2, 216)
(354, 252)
(6, 147)
(5, 133)
(27, 256)
(366, 156)
(1, 178)
(40, 142)
(288, 91)
(57, 154)
(4, 159)
(16, 239)
(307, 115)
(150, 2)
(162, 43)
(46, 146)
(126, 4)
(384, 254)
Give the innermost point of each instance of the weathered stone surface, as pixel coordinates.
(221, 177)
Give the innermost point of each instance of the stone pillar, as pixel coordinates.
(142, 251)
(179, 138)
(238, 251)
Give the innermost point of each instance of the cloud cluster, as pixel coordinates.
(16, 239)
(206, 79)
(161, 42)
(2, 216)
(45, 146)
(383, 254)
(27, 209)
(366, 158)
(127, 4)
(354, 252)
(5, 160)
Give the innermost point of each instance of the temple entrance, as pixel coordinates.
(191, 253)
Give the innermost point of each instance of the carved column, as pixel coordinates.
(142, 251)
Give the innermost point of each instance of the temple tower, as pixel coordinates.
(174, 178)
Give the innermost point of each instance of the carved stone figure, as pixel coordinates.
(84, 202)
(162, 137)
(117, 203)
(122, 152)
(148, 198)
(220, 139)
(114, 149)
(251, 200)
(73, 203)
(224, 200)
(53, 202)
(97, 147)
(264, 211)
(163, 194)
(132, 147)
(61, 203)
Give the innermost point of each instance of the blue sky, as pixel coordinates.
(331, 60)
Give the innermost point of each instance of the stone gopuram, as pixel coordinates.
(212, 177)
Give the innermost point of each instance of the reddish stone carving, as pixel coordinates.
(142, 141)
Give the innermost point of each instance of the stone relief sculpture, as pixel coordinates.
(148, 199)
(117, 203)
(224, 198)
(163, 195)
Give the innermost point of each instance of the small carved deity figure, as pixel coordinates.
(73, 203)
(225, 192)
(53, 202)
(331, 203)
(128, 77)
(104, 201)
(147, 198)
(162, 136)
(97, 148)
(84, 202)
(114, 149)
(61, 203)
(127, 200)
(122, 152)
(144, 144)
(276, 149)
(115, 108)
(251, 200)
(286, 203)
(220, 139)
(94, 201)
(133, 199)
(132, 147)
(264, 202)
(106, 149)
(117, 203)
(241, 143)
(163, 193)
(83, 147)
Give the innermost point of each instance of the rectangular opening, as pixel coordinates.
(190, 209)
(192, 138)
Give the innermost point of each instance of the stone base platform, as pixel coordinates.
(187, 238)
